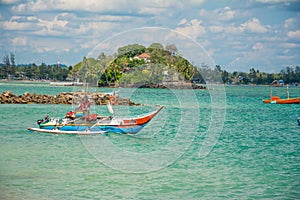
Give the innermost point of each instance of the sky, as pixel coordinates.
(236, 34)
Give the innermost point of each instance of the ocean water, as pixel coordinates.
(193, 149)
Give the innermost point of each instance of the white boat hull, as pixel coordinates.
(66, 132)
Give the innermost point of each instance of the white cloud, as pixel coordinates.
(63, 50)
(14, 24)
(291, 45)
(143, 6)
(89, 44)
(183, 21)
(60, 25)
(222, 20)
(203, 13)
(51, 45)
(211, 51)
(48, 32)
(49, 27)
(28, 23)
(246, 59)
(233, 29)
(19, 41)
(67, 5)
(257, 46)
(294, 34)
(226, 13)
(216, 29)
(32, 19)
(289, 22)
(122, 9)
(192, 29)
(110, 18)
(19, 7)
(220, 14)
(55, 22)
(195, 2)
(95, 27)
(43, 49)
(254, 26)
(227, 29)
(151, 10)
(286, 57)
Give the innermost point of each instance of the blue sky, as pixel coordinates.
(237, 34)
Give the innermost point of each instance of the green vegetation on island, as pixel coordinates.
(135, 65)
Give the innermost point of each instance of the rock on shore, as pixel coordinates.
(62, 98)
(173, 85)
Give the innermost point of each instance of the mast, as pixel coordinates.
(58, 63)
(287, 90)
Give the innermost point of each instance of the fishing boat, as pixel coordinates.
(80, 122)
(277, 100)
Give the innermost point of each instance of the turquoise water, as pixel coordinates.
(256, 155)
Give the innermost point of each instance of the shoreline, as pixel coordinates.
(178, 85)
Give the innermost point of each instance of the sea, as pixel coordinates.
(220, 143)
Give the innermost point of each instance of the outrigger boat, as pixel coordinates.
(94, 124)
(81, 122)
(277, 100)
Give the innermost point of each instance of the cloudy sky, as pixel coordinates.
(237, 34)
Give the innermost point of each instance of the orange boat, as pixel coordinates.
(277, 100)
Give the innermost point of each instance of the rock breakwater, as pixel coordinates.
(173, 85)
(62, 98)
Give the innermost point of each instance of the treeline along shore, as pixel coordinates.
(8, 97)
(135, 64)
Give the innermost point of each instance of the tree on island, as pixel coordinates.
(131, 50)
(156, 45)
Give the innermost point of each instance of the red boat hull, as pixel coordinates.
(277, 100)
